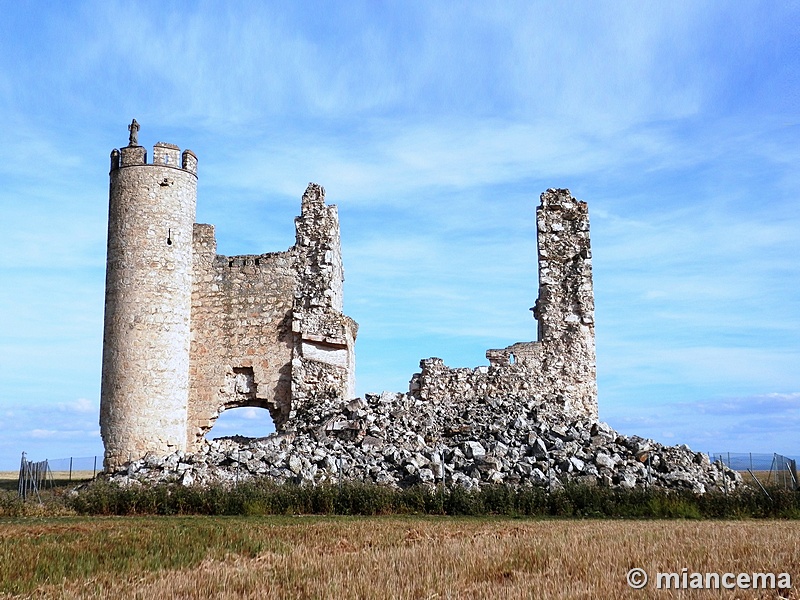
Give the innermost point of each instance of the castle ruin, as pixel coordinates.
(559, 368)
(189, 333)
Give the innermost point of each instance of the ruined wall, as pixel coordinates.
(565, 308)
(267, 330)
(324, 351)
(241, 333)
(144, 389)
(558, 368)
(190, 333)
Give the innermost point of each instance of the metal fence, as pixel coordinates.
(75, 468)
(37, 476)
(33, 476)
(763, 469)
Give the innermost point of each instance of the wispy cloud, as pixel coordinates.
(81, 406)
(769, 404)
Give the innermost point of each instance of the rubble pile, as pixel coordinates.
(400, 440)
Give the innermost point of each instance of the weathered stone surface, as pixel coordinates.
(417, 451)
(190, 333)
(560, 365)
(145, 381)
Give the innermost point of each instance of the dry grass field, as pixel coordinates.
(380, 557)
(9, 480)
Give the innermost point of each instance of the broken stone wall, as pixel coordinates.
(439, 384)
(267, 330)
(559, 368)
(324, 351)
(565, 308)
(242, 342)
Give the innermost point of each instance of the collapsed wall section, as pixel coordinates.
(559, 368)
(267, 330)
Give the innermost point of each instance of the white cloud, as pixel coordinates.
(251, 414)
(81, 405)
(44, 433)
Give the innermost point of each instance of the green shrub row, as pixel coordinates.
(267, 498)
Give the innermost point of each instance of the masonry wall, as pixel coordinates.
(267, 330)
(323, 366)
(190, 333)
(558, 368)
(241, 348)
(565, 307)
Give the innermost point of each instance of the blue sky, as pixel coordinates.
(434, 127)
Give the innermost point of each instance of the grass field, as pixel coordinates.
(9, 480)
(379, 557)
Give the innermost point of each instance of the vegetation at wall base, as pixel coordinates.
(263, 497)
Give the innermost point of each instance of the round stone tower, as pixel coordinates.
(145, 384)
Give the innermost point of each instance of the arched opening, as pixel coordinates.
(245, 421)
(238, 409)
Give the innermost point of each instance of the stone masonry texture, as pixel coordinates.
(559, 367)
(190, 333)
(145, 377)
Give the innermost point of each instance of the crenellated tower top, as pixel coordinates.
(164, 154)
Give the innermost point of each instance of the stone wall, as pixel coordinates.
(267, 330)
(190, 333)
(324, 354)
(242, 340)
(559, 368)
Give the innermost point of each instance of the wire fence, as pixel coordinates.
(762, 469)
(40, 475)
(76, 468)
(33, 476)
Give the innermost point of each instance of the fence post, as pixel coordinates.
(70, 468)
(21, 486)
(94, 468)
(724, 474)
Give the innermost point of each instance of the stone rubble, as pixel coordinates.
(398, 440)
